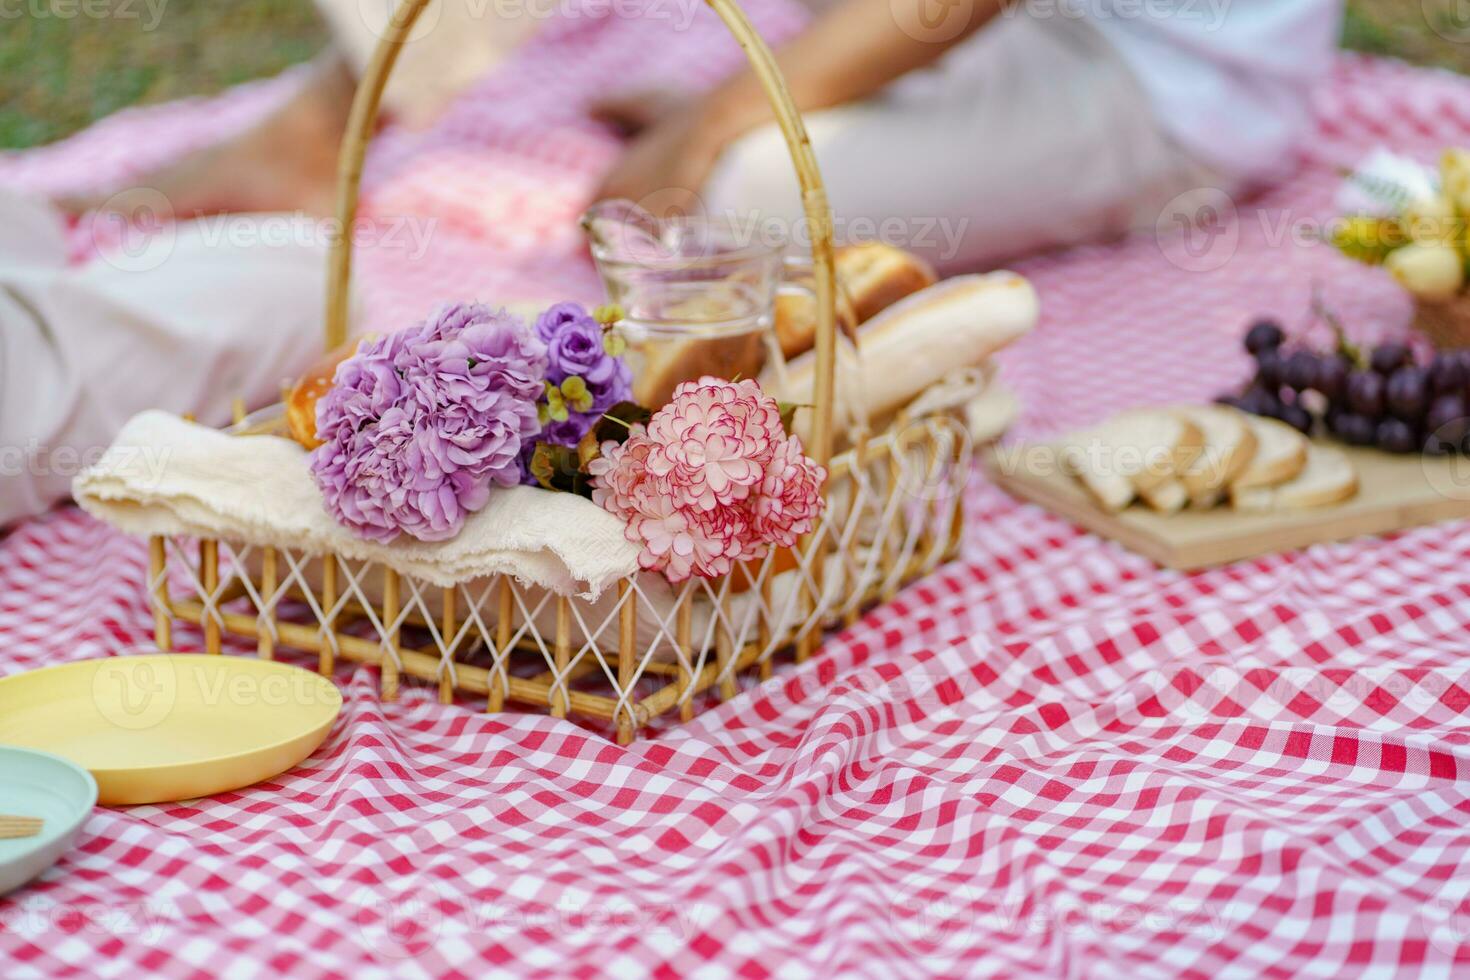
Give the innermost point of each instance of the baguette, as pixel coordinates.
(796, 320)
(875, 276)
(871, 277)
(317, 381)
(917, 342)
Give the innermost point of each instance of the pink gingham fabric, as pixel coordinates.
(1049, 758)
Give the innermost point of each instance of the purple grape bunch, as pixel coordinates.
(1382, 397)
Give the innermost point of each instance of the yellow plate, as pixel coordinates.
(164, 727)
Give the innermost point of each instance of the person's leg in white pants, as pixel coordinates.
(201, 314)
(1033, 134)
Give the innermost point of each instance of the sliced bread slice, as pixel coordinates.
(1230, 444)
(1327, 478)
(1155, 446)
(1281, 453)
(1168, 497)
(1112, 491)
(1132, 453)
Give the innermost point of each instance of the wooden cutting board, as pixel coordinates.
(1394, 492)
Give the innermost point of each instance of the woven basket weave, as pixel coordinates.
(893, 513)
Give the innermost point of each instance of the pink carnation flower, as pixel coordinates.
(684, 541)
(790, 497)
(712, 480)
(618, 474)
(714, 439)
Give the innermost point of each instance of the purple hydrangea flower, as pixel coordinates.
(419, 425)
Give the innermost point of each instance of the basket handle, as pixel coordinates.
(361, 122)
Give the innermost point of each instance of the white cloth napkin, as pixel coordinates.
(163, 475)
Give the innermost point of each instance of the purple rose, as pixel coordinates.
(574, 349)
(556, 316)
(421, 424)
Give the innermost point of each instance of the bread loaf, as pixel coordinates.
(915, 343)
(871, 277)
(317, 381)
(1197, 454)
(796, 320)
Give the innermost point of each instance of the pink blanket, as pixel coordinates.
(1049, 758)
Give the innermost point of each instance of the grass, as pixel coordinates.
(1425, 32)
(59, 73)
(65, 63)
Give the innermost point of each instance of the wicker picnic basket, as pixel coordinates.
(645, 649)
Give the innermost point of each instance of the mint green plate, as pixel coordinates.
(38, 784)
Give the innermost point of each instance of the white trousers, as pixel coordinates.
(1030, 135)
(1033, 134)
(188, 321)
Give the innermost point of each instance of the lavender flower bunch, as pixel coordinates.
(585, 376)
(420, 425)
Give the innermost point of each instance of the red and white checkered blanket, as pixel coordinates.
(1049, 758)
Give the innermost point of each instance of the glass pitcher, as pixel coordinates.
(698, 295)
